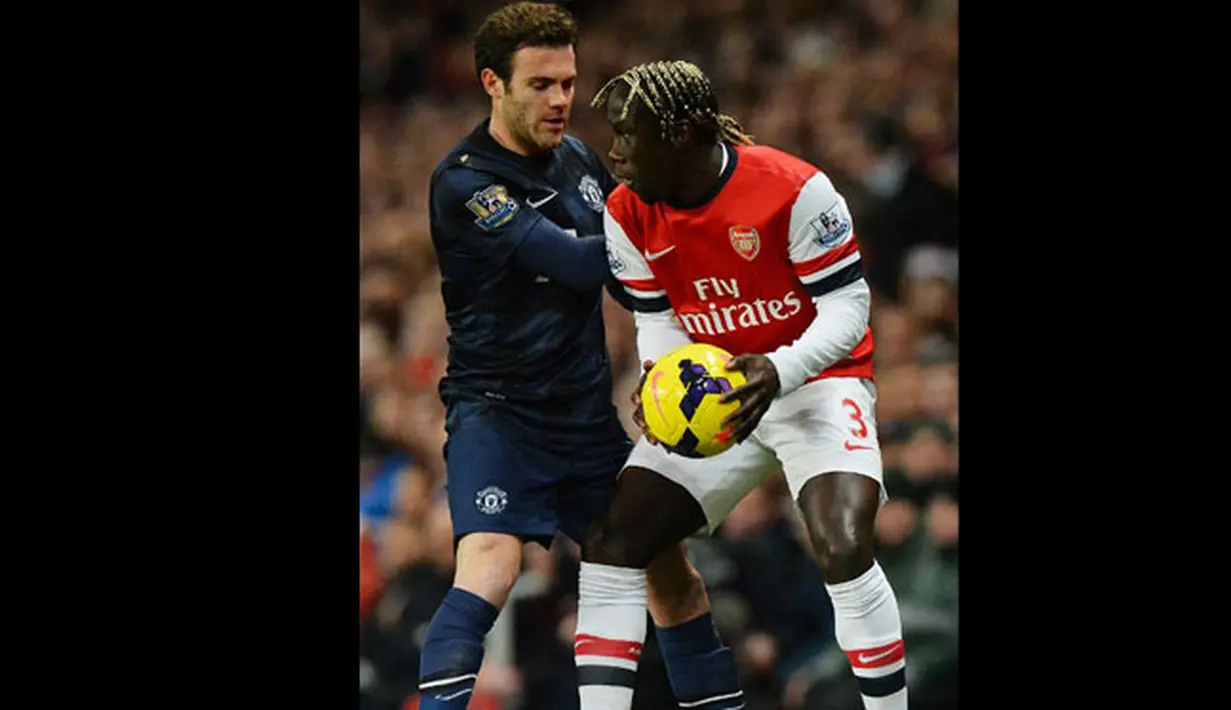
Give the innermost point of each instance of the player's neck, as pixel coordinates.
(500, 132)
(705, 168)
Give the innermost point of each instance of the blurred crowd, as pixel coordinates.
(867, 91)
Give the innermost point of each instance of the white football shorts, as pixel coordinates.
(825, 426)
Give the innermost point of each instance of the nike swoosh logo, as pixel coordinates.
(655, 255)
(580, 648)
(855, 447)
(878, 656)
(535, 204)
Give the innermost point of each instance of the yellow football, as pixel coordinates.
(681, 400)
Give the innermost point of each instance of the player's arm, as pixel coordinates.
(489, 222)
(578, 262)
(633, 285)
(826, 258)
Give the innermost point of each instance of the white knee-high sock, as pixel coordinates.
(611, 626)
(868, 628)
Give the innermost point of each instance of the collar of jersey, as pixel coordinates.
(730, 157)
(484, 139)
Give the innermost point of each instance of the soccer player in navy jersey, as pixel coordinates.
(534, 442)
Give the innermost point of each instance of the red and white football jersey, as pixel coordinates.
(741, 270)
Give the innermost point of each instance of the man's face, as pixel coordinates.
(538, 97)
(640, 158)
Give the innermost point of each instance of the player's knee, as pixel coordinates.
(607, 544)
(840, 512)
(843, 552)
(488, 565)
(676, 590)
(837, 547)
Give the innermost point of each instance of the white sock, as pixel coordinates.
(611, 624)
(868, 627)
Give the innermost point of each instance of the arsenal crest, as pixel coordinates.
(746, 241)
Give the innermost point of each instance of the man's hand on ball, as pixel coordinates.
(754, 396)
(638, 412)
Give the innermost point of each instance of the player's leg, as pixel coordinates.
(840, 512)
(825, 435)
(494, 508)
(487, 567)
(675, 591)
(659, 500)
(646, 515)
(701, 669)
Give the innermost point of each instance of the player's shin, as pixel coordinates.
(453, 650)
(611, 626)
(701, 669)
(868, 627)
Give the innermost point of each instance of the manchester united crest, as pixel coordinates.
(746, 241)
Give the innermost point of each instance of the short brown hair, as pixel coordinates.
(521, 24)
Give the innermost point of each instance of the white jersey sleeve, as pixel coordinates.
(841, 322)
(826, 259)
(823, 247)
(658, 334)
(630, 268)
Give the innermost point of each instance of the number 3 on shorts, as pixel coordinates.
(857, 417)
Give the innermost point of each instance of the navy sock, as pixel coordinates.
(453, 650)
(701, 670)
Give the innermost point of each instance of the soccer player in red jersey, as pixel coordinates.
(717, 240)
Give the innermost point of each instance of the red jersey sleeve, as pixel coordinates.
(628, 265)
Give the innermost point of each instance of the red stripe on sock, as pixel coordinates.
(878, 656)
(587, 645)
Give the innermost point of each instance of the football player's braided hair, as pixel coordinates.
(675, 91)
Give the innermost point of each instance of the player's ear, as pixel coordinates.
(492, 83)
(680, 133)
(677, 133)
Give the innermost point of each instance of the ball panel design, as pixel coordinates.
(681, 400)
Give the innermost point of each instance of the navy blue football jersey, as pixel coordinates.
(516, 337)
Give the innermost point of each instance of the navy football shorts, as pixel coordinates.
(502, 478)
